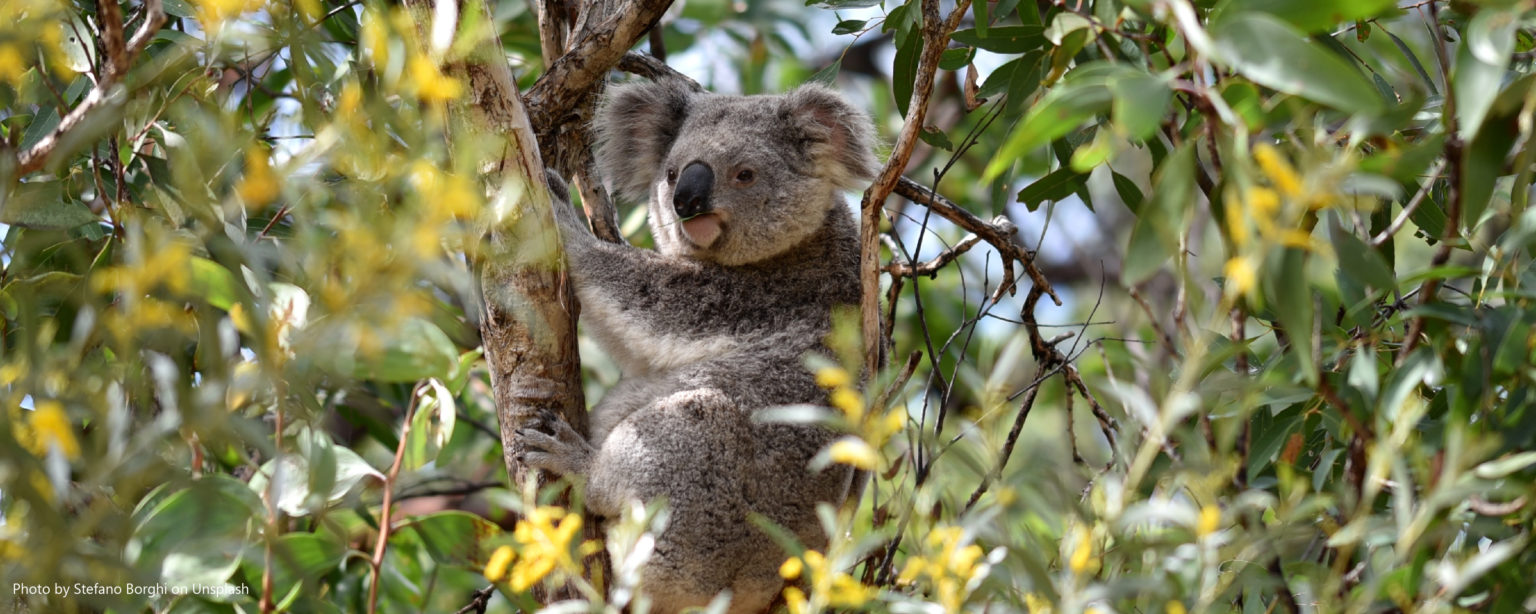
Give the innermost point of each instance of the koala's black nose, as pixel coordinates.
(691, 196)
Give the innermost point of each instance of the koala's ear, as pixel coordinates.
(836, 135)
(636, 125)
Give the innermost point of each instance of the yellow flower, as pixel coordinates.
(1241, 275)
(846, 592)
(794, 598)
(1280, 172)
(829, 587)
(213, 13)
(310, 9)
(1036, 604)
(833, 377)
(850, 402)
(855, 452)
(1209, 522)
(791, 568)
(1082, 550)
(375, 38)
(501, 560)
(949, 566)
(258, 186)
(431, 84)
(1175, 607)
(12, 65)
(49, 426)
(877, 432)
(914, 568)
(545, 544)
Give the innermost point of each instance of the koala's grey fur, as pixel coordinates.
(708, 335)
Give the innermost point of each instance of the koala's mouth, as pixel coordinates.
(703, 230)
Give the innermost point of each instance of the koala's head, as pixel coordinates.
(733, 179)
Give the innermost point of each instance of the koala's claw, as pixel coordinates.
(549, 443)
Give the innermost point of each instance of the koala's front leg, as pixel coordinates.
(549, 443)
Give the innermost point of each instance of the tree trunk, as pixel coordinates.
(529, 311)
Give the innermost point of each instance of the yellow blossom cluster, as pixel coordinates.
(167, 268)
(829, 587)
(949, 565)
(1078, 546)
(423, 78)
(259, 185)
(543, 544)
(22, 20)
(1274, 212)
(47, 426)
(214, 13)
(873, 427)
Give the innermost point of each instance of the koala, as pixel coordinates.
(755, 248)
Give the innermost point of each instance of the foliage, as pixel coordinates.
(239, 333)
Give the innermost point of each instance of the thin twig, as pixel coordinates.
(479, 602)
(1408, 209)
(376, 563)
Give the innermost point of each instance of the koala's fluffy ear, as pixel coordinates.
(636, 125)
(837, 136)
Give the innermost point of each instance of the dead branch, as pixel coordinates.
(998, 234)
(931, 268)
(644, 65)
(106, 90)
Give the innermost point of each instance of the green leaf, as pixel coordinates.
(1128, 192)
(1155, 237)
(431, 425)
(1054, 116)
(936, 138)
(904, 72)
(1313, 15)
(297, 490)
(41, 204)
(1273, 54)
(1090, 155)
(1483, 163)
(1146, 254)
(1059, 184)
(956, 59)
(456, 538)
(296, 558)
(1003, 39)
(1403, 381)
(214, 283)
(1270, 433)
(197, 535)
(1289, 292)
(1141, 100)
(1480, 66)
(849, 26)
(1361, 262)
(827, 76)
(979, 15)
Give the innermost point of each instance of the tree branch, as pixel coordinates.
(105, 90)
(998, 234)
(935, 38)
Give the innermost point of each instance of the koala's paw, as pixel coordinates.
(548, 442)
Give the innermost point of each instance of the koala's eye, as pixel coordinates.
(745, 176)
(672, 176)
